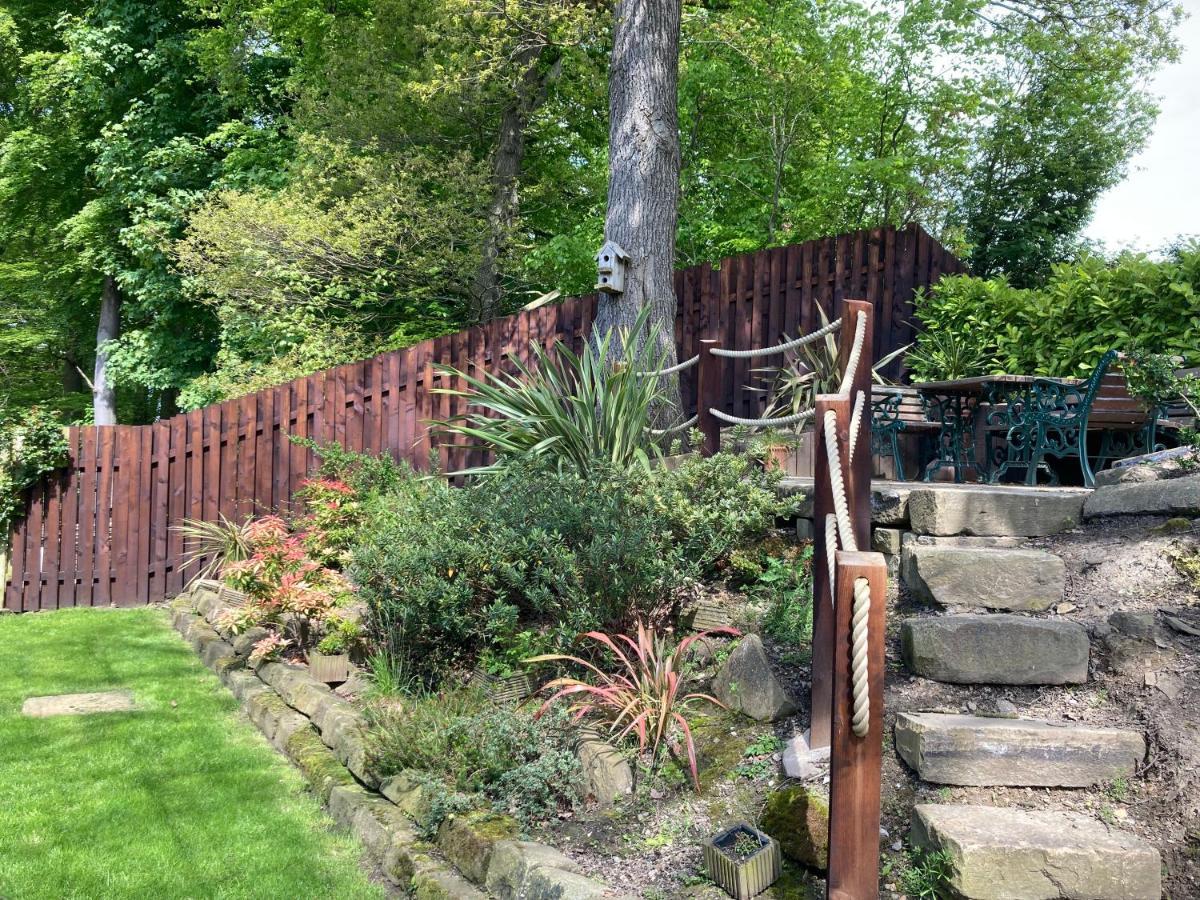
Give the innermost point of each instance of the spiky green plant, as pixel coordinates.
(578, 409)
(212, 544)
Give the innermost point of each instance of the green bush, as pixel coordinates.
(1062, 329)
(453, 574)
(31, 445)
(524, 766)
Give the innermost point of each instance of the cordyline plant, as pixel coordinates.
(642, 697)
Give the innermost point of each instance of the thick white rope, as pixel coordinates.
(765, 423)
(831, 541)
(860, 404)
(682, 426)
(686, 364)
(841, 506)
(860, 334)
(780, 348)
(861, 719)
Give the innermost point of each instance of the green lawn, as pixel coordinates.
(179, 799)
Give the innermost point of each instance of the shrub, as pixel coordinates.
(334, 514)
(525, 560)
(31, 445)
(524, 766)
(581, 410)
(1062, 329)
(365, 473)
(213, 544)
(643, 697)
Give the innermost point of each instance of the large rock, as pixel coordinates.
(514, 861)
(746, 683)
(607, 774)
(1173, 497)
(798, 818)
(1013, 854)
(994, 511)
(995, 649)
(1023, 580)
(971, 750)
(468, 840)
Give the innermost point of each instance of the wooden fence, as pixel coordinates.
(102, 531)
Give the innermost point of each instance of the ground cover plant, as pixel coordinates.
(177, 798)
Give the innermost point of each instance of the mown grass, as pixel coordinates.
(178, 799)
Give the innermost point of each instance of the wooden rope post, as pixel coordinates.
(821, 693)
(855, 762)
(858, 472)
(708, 396)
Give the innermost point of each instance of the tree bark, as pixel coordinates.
(486, 290)
(643, 175)
(104, 396)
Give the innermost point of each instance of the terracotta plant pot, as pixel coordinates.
(331, 669)
(750, 876)
(513, 687)
(777, 458)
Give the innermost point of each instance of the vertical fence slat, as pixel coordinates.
(177, 507)
(87, 517)
(68, 557)
(143, 531)
(50, 546)
(104, 483)
(32, 589)
(126, 459)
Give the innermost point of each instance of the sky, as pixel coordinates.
(1158, 200)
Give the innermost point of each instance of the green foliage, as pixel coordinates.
(525, 766)
(786, 586)
(927, 875)
(585, 410)
(210, 545)
(365, 473)
(32, 445)
(1062, 329)
(758, 759)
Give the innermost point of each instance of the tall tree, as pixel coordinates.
(643, 172)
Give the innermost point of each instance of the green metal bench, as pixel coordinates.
(896, 411)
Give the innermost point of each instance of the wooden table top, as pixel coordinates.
(978, 384)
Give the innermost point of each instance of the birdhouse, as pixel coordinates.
(611, 262)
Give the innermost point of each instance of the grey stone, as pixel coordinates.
(469, 839)
(1013, 854)
(886, 540)
(970, 750)
(996, 511)
(1138, 625)
(889, 504)
(287, 725)
(1173, 497)
(606, 772)
(216, 651)
(801, 761)
(244, 642)
(995, 649)
(241, 682)
(746, 683)
(1139, 474)
(78, 704)
(545, 883)
(513, 861)
(436, 883)
(1024, 580)
(410, 792)
(804, 529)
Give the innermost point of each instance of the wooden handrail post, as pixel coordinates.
(854, 777)
(858, 472)
(823, 622)
(708, 396)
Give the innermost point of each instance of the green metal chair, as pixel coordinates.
(1048, 419)
(886, 426)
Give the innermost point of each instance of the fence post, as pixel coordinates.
(821, 692)
(854, 777)
(708, 396)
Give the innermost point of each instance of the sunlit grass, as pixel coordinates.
(178, 799)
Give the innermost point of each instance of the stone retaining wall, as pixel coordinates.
(475, 855)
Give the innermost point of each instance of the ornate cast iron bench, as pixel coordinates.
(896, 411)
(1053, 418)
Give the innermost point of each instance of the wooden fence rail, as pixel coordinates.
(102, 531)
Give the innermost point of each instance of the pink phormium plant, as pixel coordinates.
(268, 648)
(641, 697)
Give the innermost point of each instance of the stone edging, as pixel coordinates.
(323, 736)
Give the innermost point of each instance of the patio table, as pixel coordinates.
(955, 406)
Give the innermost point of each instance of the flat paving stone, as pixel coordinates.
(78, 704)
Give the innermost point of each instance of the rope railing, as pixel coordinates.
(781, 422)
(860, 405)
(781, 348)
(856, 349)
(682, 426)
(672, 370)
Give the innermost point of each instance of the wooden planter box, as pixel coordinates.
(508, 688)
(750, 877)
(329, 669)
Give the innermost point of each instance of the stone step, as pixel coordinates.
(1172, 497)
(973, 750)
(999, 648)
(995, 511)
(982, 577)
(1016, 854)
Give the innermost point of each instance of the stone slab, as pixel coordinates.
(1173, 497)
(995, 649)
(974, 750)
(995, 511)
(1014, 854)
(985, 578)
(78, 704)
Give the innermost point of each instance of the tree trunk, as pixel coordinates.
(104, 397)
(486, 291)
(643, 174)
